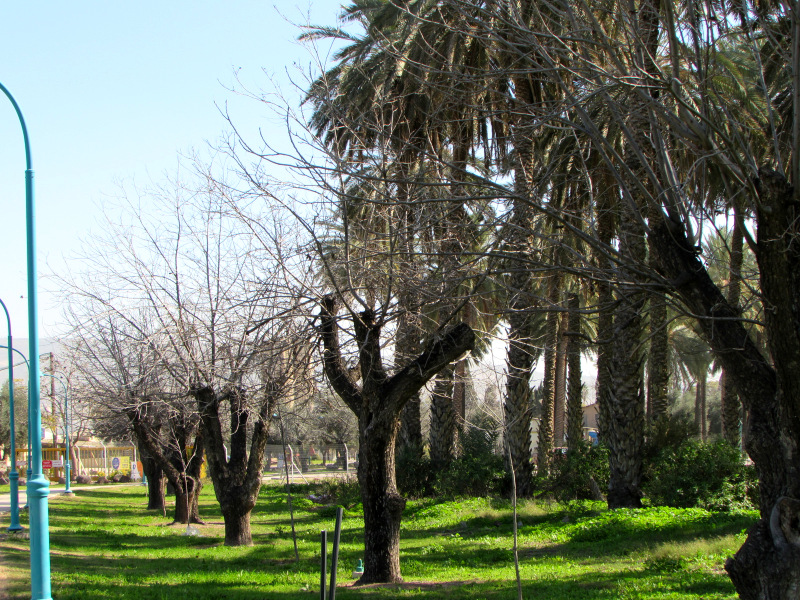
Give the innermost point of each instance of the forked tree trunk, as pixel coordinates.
(181, 469)
(377, 404)
(237, 474)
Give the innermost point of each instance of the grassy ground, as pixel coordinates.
(104, 544)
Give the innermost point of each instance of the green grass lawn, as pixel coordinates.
(104, 544)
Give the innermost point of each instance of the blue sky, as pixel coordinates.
(115, 91)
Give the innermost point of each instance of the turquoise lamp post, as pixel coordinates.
(67, 490)
(38, 484)
(13, 476)
(28, 453)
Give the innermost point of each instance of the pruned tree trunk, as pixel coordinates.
(408, 347)
(626, 415)
(377, 403)
(700, 405)
(521, 353)
(237, 473)
(605, 301)
(517, 402)
(181, 468)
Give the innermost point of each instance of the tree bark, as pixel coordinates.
(181, 469)
(657, 361)
(626, 415)
(700, 405)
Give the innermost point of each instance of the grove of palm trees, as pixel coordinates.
(550, 181)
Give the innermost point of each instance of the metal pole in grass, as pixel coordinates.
(67, 490)
(324, 559)
(288, 485)
(335, 556)
(13, 476)
(38, 484)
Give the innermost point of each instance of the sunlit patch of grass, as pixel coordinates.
(106, 545)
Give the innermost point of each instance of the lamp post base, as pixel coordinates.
(38, 490)
(14, 489)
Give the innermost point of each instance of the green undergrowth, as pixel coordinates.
(104, 544)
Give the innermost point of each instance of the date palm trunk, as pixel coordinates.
(731, 406)
(575, 385)
(443, 419)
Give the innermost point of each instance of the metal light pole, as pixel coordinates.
(67, 490)
(13, 476)
(38, 484)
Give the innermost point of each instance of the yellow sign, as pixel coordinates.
(121, 464)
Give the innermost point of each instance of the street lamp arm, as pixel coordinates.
(8, 318)
(38, 484)
(28, 163)
(21, 355)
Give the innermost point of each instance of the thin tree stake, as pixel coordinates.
(288, 486)
(324, 559)
(514, 513)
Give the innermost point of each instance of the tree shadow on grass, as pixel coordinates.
(591, 586)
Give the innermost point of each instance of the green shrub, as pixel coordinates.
(341, 491)
(478, 471)
(711, 476)
(413, 473)
(579, 474)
